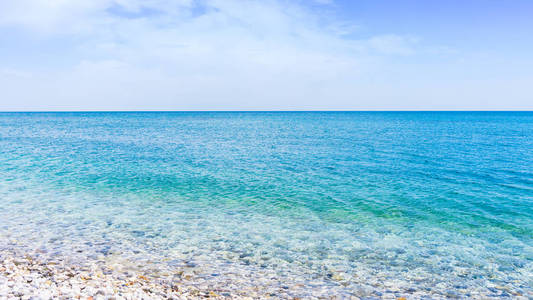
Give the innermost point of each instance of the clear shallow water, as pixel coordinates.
(438, 204)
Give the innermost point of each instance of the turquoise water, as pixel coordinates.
(321, 203)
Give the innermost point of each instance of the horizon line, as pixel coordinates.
(242, 111)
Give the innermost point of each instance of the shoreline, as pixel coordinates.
(25, 277)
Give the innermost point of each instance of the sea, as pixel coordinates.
(292, 204)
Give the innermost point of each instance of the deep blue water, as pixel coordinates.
(350, 202)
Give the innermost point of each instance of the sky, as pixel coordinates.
(266, 55)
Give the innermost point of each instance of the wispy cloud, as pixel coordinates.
(209, 51)
(193, 54)
(324, 1)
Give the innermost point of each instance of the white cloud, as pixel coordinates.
(393, 44)
(176, 54)
(203, 54)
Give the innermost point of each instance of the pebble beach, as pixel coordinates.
(25, 277)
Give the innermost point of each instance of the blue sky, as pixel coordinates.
(266, 55)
